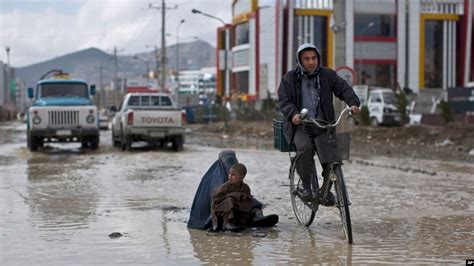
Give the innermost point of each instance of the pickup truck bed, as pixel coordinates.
(143, 118)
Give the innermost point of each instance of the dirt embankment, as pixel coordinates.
(454, 142)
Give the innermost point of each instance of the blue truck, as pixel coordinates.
(62, 111)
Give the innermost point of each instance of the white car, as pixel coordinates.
(382, 107)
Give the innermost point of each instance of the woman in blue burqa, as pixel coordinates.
(200, 217)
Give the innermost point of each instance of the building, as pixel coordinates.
(416, 44)
(197, 81)
(8, 88)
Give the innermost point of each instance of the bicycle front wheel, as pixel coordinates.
(303, 212)
(343, 203)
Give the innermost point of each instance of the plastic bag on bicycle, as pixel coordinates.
(332, 147)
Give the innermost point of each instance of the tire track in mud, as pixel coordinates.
(395, 167)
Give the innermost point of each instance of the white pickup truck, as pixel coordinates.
(150, 117)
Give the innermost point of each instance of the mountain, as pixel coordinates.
(86, 64)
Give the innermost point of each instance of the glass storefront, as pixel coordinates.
(303, 32)
(375, 25)
(242, 82)
(471, 73)
(433, 54)
(379, 75)
(242, 33)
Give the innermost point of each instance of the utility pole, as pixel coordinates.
(115, 76)
(339, 30)
(101, 83)
(115, 69)
(164, 59)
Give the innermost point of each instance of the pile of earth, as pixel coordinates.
(453, 142)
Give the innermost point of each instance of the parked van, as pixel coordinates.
(382, 105)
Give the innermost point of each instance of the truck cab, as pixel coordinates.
(62, 111)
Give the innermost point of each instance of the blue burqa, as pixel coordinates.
(200, 217)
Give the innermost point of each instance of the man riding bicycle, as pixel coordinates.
(311, 86)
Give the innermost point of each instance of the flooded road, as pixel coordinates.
(58, 206)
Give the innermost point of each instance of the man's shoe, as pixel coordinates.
(330, 200)
(305, 194)
(231, 227)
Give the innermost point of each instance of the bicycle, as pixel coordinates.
(305, 211)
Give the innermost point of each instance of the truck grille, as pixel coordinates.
(63, 118)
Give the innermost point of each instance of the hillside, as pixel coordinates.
(86, 63)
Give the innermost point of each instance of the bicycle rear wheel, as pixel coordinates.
(343, 203)
(303, 212)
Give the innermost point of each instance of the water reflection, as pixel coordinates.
(222, 248)
(61, 195)
(307, 244)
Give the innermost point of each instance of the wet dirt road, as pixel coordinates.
(58, 206)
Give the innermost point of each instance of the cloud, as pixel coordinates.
(39, 30)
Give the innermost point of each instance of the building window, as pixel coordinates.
(375, 25)
(242, 33)
(380, 75)
(242, 82)
(433, 54)
(471, 73)
(311, 29)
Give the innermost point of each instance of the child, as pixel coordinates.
(232, 202)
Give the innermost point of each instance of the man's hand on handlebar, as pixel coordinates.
(296, 120)
(355, 110)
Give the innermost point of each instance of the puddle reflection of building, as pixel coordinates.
(222, 248)
(309, 245)
(59, 196)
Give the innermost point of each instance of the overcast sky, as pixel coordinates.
(38, 30)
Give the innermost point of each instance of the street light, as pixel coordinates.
(157, 62)
(184, 39)
(195, 11)
(147, 68)
(7, 48)
(177, 58)
(226, 48)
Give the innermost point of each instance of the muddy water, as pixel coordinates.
(58, 206)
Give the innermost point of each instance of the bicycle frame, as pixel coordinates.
(334, 175)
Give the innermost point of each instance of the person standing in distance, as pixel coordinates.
(311, 86)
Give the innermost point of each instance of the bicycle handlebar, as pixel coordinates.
(304, 119)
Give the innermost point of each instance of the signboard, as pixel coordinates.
(347, 74)
(461, 99)
(362, 91)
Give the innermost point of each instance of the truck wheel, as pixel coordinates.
(115, 142)
(126, 143)
(84, 144)
(178, 142)
(94, 143)
(40, 142)
(32, 144)
(374, 122)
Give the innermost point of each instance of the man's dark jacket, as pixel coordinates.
(289, 96)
